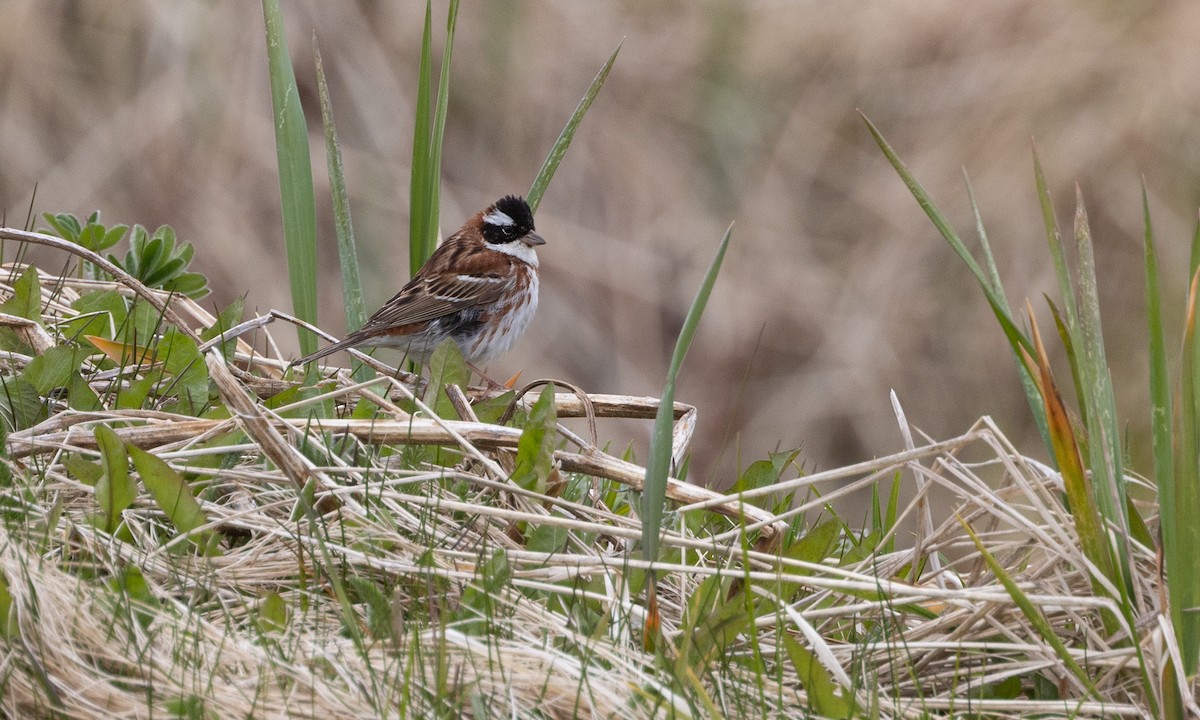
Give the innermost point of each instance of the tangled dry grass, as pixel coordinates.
(121, 625)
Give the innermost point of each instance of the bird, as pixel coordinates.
(479, 288)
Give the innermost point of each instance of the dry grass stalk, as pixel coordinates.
(84, 639)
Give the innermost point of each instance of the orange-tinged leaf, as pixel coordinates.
(653, 621)
(120, 353)
(1070, 464)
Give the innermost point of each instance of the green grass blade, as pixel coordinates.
(1160, 391)
(352, 294)
(1181, 545)
(557, 152)
(1104, 439)
(1054, 240)
(1033, 614)
(1027, 382)
(658, 467)
(1194, 264)
(295, 175)
(347, 251)
(1015, 337)
(421, 238)
(439, 131)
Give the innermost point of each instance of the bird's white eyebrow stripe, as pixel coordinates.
(496, 217)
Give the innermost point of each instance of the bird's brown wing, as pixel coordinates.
(479, 276)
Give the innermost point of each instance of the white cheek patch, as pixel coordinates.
(499, 219)
(517, 249)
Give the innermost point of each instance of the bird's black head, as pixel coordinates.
(508, 219)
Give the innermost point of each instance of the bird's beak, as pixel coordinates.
(532, 239)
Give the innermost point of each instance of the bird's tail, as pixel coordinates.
(327, 350)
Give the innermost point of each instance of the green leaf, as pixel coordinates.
(352, 294)
(181, 358)
(490, 410)
(659, 466)
(112, 236)
(175, 497)
(550, 165)
(714, 631)
(81, 396)
(226, 319)
(478, 605)
(1181, 534)
(52, 369)
(295, 175)
(995, 295)
(427, 142)
(8, 626)
(64, 225)
(115, 490)
(21, 406)
(535, 449)
(421, 236)
(1034, 615)
(102, 311)
(272, 613)
(817, 682)
(26, 301)
(83, 470)
(439, 126)
(193, 285)
(547, 539)
(379, 607)
(131, 585)
(816, 545)
(446, 367)
(759, 473)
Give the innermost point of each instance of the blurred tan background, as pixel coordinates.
(836, 288)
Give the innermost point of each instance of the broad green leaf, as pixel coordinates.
(8, 625)
(174, 496)
(182, 360)
(547, 539)
(446, 367)
(818, 684)
(26, 301)
(21, 406)
(226, 319)
(479, 604)
(81, 396)
(490, 410)
(52, 369)
(103, 311)
(535, 449)
(83, 470)
(379, 607)
(115, 491)
(140, 601)
(272, 613)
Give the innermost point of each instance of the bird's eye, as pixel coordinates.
(508, 231)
